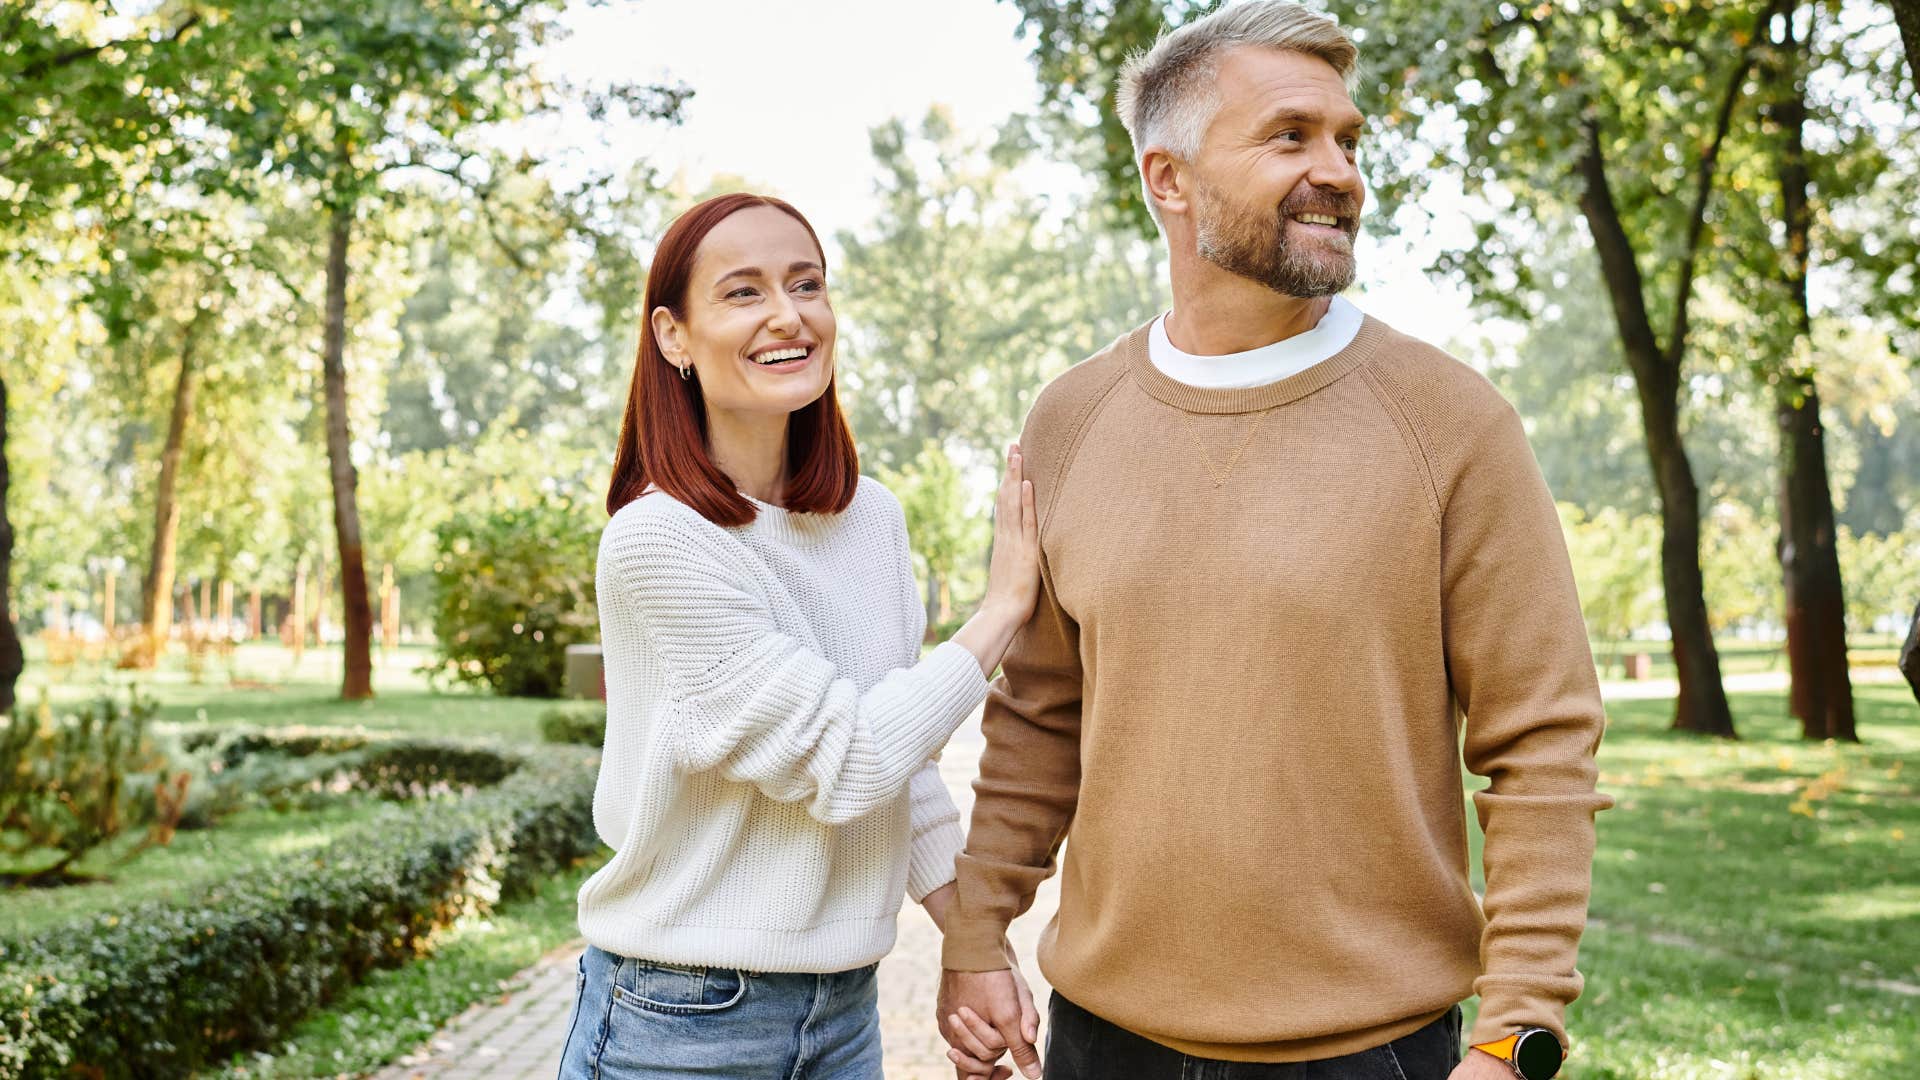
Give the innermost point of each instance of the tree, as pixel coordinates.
(12, 660)
(968, 293)
(343, 100)
(1821, 693)
(1907, 14)
(944, 531)
(76, 139)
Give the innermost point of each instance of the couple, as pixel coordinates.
(1264, 572)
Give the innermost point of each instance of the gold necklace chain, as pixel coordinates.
(1220, 475)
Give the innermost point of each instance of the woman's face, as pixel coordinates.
(758, 329)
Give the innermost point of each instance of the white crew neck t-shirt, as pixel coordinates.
(1256, 367)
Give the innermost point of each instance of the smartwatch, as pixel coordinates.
(1532, 1053)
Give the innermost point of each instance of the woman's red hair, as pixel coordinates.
(663, 439)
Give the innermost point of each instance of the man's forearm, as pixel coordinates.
(1028, 787)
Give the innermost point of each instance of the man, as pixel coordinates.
(1295, 565)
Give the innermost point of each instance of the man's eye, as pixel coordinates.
(1350, 144)
(1290, 136)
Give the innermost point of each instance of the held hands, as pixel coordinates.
(1013, 577)
(983, 1014)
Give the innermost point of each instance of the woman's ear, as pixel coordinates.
(666, 333)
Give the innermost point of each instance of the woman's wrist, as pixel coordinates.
(938, 903)
(988, 634)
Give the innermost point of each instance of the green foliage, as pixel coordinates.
(393, 1011)
(1742, 574)
(947, 538)
(582, 724)
(516, 588)
(1078, 49)
(65, 782)
(1616, 567)
(165, 987)
(1882, 575)
(970, 292)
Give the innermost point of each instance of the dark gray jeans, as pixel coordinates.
(1081, 1046)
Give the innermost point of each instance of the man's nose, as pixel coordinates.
(1332, 168)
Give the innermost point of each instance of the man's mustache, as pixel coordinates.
(1346, 208)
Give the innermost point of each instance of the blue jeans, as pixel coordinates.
(638, 1020)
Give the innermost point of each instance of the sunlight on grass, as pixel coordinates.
(1882, 902)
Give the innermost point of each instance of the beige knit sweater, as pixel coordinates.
(1267, 616)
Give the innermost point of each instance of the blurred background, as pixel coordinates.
(316, 321)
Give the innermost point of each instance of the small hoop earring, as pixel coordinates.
(683, 373)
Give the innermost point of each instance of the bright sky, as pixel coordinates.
(785, 94)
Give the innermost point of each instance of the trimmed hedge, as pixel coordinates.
(167, 987)
(582, 724)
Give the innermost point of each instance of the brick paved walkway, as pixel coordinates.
(520, 1037)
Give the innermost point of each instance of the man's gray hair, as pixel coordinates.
(1167, 95)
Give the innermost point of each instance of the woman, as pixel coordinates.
(768, 782)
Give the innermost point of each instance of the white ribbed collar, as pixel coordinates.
(1257, 367)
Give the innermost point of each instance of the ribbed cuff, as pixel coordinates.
(1506, 1009)
(974, 945)
(930, 859)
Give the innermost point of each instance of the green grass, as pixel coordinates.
(395, 1010)
(262, 685)
(1749, 895)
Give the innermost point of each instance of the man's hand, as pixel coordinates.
(1480, 1065)
(982, 1015)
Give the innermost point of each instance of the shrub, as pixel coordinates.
(516, 588)
(165, 987)
(583, 724)
(68, 783)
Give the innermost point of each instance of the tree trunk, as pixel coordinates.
(1821, 693)
(1907, 14)
(358, 682)
(1702, 703)
(1909, 653)
(156, 589)
(12, 659)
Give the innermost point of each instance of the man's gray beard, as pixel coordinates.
(1257, 250)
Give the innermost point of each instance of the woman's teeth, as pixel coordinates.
(779, 356)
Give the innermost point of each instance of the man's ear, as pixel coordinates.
(1166, 178)
(666, 332)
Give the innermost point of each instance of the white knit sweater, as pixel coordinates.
(767, 784)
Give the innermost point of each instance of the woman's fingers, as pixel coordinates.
(966, 1066)
(969, 1041)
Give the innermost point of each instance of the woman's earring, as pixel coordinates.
(683, 373)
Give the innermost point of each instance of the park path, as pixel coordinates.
(519, 1036)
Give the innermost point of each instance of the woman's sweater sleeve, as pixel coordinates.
(761, 707)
